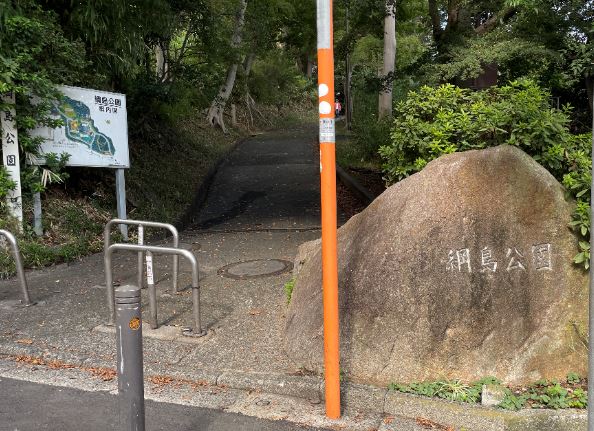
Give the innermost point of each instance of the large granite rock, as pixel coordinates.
(463, 270)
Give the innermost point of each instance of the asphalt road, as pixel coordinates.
(26, 406)
(270, 181)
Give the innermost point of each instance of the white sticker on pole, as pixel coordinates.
(324, 20)
(149, 270)
(327, 131)
(140, 235)
(10, 156)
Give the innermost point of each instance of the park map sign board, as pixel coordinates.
(94, 134)
(95, 130)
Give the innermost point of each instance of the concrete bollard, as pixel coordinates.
(129, 358)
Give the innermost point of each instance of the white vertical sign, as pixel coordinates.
(10, 155)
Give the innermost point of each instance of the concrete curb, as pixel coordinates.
(355, 397)
(358, 397)
(351, 182)
(354, 185)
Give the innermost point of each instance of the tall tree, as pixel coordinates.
(214, 117)
(385, 96)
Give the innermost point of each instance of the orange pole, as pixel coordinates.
(329, 213)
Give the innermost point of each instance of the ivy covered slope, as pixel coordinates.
(434, 121)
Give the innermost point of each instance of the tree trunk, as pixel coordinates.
(435, 20)
(249, 101)
(309, 67)
(217, 107)
(385, 96)
(233, 115)
(214, 117)
(590, 89)
(348, 94)
(348, 105)
(162, 67)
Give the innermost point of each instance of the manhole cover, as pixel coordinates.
(255, 268)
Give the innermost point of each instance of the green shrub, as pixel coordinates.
(370, 135)
(275, 80)
(432, 122)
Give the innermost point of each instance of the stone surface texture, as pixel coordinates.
(463, 270)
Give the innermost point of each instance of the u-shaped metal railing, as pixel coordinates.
(141, 225)
(19, 265)
(196, 330)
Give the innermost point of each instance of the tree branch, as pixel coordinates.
(495, 20)
(435, 19)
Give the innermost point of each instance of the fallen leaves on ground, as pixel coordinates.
(161, 380)
(429, 424)
(26, 359)
(25, 341)
(105, 374)
(59, 365)
(109, 374)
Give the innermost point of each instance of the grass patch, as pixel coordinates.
(167, 170)
(73, 229)
(451, 390)
(289, 285)
(543, 394)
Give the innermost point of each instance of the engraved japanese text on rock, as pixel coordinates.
(447, 275)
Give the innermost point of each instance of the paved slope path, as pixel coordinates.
(270, 181)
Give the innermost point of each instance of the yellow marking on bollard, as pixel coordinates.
(135, 324)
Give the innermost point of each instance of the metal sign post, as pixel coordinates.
(591, 318)
(10, 157)
(37, 214)
(121, 200)
(329, 212)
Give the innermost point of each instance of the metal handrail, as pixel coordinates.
(197, 330)
(19, 265)
(141, 224)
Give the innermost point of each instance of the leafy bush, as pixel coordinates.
(370, 134)
(275, 80)
(549, 394)
(36, 55)
(432, 122)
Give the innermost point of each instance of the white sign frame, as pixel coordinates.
(95, 133)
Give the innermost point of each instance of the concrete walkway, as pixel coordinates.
(263, 203)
